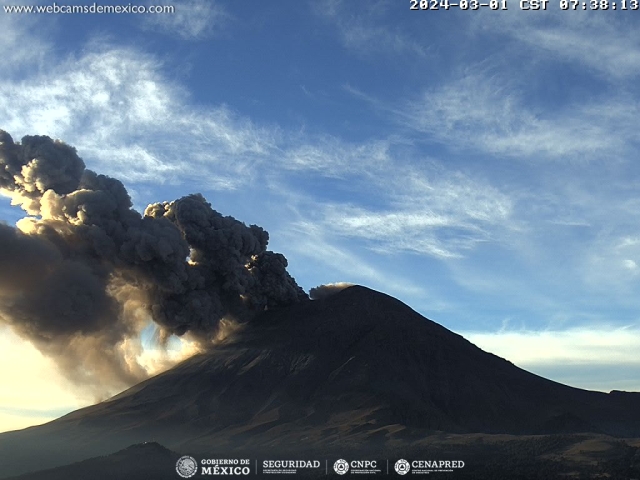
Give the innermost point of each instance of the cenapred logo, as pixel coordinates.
(186, 466)
(341, 466)
(402, 467)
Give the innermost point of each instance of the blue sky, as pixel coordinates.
(481, 166)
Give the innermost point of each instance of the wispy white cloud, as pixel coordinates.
(364, 37)
(366, 31)
(500, 104)
(311, 241)
(126, 119)
(331, 157)
(605, 44)
(427, 210)
(192, 19)
(480, 111)
(393, 201)
(611, 266)
(19, 46)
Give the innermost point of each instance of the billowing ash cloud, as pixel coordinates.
(83, 272)
(328, 289)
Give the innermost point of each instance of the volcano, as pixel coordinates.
(357, 371)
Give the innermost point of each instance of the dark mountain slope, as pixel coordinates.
(137, 462)
(358, 369)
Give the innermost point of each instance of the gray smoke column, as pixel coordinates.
(83, 273)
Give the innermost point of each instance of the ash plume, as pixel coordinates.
(84, 272)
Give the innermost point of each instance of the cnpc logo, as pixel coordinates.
(357, 466)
